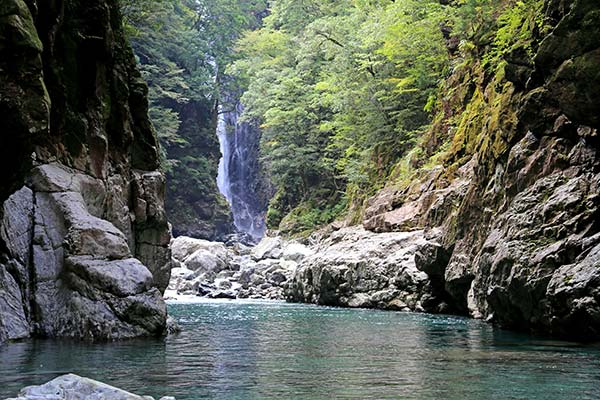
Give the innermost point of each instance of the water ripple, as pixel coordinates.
(258, 350)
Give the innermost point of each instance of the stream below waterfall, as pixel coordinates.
(271, 350)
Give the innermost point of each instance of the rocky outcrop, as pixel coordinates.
(353, 267)
(516, 202)
(214, 270)
(84, 238)
(75, 387)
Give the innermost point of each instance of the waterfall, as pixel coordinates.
(223, 182)
(239, 178)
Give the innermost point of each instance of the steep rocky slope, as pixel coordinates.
(84, 237)
(515, 203)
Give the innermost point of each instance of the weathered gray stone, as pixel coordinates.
(119, 277)
(213, 270)
(357, 268)
(73, 387)
(159, 258)
(540, 232)
(17, 224)
(152, 231)
(574, 296)
(118, 196)
(183, 248)
(89, 235)
(294, 251)
(86, 282)
(14, 323)
(268, 248)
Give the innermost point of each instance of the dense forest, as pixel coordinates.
(183, 48)
(350, 95)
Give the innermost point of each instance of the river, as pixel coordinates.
(259, 350)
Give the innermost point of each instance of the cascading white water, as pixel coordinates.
(238, 172)
(223, 182)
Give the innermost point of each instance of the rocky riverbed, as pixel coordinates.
(349, 267)
(214, 270)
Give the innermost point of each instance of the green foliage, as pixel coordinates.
(346, 92)
(306, 217)
(475, 20)
(517, 27)
(341, 90)
(182, 47)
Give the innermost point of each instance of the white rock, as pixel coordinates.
(183, 247)
(296, 252)
(268, 248)
(73, 387)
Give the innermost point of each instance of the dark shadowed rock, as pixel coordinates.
(84, 237)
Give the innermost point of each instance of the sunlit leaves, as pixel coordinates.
(335, 83)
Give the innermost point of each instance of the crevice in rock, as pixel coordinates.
(33, 314)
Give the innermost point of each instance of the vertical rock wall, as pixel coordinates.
(520, 213)
(84, 237)
(194, 205)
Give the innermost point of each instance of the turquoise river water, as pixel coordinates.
(258, 350)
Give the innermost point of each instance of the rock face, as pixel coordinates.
(194, 204)
(73, 387)
(353, 267)
(213, 270)
(84, 238)
(518, 216)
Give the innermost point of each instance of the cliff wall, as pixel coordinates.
(519, 217)
(84, 237)
(509, 198)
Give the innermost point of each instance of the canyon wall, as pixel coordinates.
(519, 217)
(513, 209)
(84, 237)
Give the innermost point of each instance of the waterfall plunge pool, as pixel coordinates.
(270, 350)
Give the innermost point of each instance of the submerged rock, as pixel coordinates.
(73, 387)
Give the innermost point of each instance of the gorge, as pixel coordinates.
(419, 179)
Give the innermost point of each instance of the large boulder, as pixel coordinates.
(201, 255)
(268, 247)
(74, 268)
(73, 387)
(357, 268)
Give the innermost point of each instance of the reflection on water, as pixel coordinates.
(232, 350)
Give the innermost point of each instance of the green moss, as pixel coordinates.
(16, 19)
(309, 216)
(568, 279)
